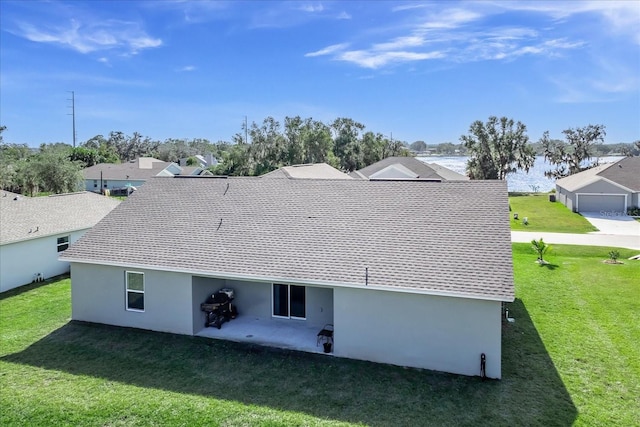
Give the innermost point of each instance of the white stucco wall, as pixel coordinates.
(21, 261)
(421, 331)
(98, 294)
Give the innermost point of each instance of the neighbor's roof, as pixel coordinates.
(624, 172)
(34, 217)
(140, 169)
(394, 171)
(420, 168)
(307, 171)
(412, 236)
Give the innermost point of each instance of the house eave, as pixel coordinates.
(266, 279)
(593, 181)
(41, 236)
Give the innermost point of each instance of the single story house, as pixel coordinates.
(307, 171)
(404, 168)
(110, 176)
(36, 229)
(403, 274)
(612, 188)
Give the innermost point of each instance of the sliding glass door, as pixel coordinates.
(289, 301)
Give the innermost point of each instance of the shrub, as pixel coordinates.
(614, 255)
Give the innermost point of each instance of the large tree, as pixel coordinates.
(418, 146)
(497, 148)
(267, 149)
(56, 173)
(346, 146)
(572, 156)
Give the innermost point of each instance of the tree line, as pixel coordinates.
(496, 148)
(255, 150)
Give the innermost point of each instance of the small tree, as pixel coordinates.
(540, 247)
(614, 255)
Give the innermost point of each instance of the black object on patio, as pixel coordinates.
(218, 308)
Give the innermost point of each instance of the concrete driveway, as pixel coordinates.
(615, 231)
(620, 225)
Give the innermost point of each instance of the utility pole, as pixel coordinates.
(246, 137)
(73, 114)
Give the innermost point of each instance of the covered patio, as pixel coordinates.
(281, 333)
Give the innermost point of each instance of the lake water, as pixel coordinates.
(518, 181)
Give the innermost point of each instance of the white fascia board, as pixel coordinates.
(253, 278)
(42, 236)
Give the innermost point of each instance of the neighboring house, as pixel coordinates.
(611, 188)
(307, 171)
(36, 229)
(110, 176)
(206, 161)
(405, 276)
(403, 168)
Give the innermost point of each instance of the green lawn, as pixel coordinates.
(544, 215)
(570, 358)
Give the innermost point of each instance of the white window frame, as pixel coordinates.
(273, 285)
(137, 291)
(65, 243)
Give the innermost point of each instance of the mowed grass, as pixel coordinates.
(570, 358)
(544, 215)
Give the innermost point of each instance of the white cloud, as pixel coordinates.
(125, 36)
(450, 18)
(622, 17)
(187, 68)
(409, 6)
(328, 50)
(312, 7)
(400, 43)
(343, 16)
(371, 59)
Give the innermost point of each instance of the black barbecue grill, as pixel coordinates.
(218, 308)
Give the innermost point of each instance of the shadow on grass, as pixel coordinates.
(549, 266)
(531, 392)
(31, 286)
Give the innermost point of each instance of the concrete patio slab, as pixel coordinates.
(280, 333)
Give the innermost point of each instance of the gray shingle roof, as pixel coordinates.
(422, 169)
(123, 171)
(625, 172)
(447, 238)
(307, 171)
(50, 215)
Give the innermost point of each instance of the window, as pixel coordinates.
(105, 184)
(289, 301)
(95, 183)
(135, 291)
(63, 243)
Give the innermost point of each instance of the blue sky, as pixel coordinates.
(411, 70)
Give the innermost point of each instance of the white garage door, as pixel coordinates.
(599, 203)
